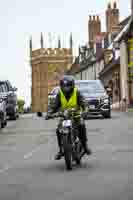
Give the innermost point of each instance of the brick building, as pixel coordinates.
(112, 17)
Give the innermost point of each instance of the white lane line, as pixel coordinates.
(29, 154)
(26, 156)
(6, 168)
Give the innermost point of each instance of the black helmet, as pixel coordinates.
(67, 84)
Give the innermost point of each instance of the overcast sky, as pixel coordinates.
(20, 19)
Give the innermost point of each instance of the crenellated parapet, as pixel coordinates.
(51, 52)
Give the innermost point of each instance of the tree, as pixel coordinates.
(21, 103)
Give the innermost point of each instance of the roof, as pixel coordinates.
(125, 21)
(109, 66)
(75, 68)
(124, 30)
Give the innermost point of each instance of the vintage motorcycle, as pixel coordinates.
(71, 145)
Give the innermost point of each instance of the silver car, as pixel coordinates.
(52, 96)
(9, 92)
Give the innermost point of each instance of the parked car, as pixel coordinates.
(3, 116)
(52, 96)
(96, 97)
(9, 93)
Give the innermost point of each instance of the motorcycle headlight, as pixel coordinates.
(65, 130)
(66, 114)
(1, 100)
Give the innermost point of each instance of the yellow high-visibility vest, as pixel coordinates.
(71, 103)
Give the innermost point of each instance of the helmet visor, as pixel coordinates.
(67, 86)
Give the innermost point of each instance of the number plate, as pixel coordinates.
(92, 106)
(67, 123)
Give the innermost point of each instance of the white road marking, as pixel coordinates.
(29, 154)
(97, 148)
(6, 168)
(26, 156)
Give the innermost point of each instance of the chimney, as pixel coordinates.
(94, 28)
(115, 5)
(98, 18)
(112, 17)
(109, 5)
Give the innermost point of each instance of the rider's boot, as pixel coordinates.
(86, 148)
(59, 155)
(84, 140)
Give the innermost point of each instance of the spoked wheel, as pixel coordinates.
(67, 152)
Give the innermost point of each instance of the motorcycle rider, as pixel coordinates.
(69, 97)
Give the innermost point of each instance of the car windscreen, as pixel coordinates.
(85, 91)
(2, 86)
(90, 87)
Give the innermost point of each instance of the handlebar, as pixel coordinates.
(61, 114)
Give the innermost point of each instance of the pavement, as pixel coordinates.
(28, 170)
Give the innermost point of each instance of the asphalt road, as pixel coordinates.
(28, 170)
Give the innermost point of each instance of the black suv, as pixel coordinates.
(95, 97)
(9, 93)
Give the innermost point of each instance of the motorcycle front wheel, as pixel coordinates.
(67, 152)
(78, 152)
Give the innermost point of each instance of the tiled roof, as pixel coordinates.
(125, 21)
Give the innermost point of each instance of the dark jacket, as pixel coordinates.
(57, 105)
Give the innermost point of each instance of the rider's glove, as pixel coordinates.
(84, 115)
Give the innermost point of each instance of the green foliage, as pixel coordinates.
(21, 103)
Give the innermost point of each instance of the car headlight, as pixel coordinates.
(106, 101)
(65, 131)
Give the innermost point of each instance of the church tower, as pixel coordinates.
(48, 65)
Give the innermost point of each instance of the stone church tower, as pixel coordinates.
(47, 66)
